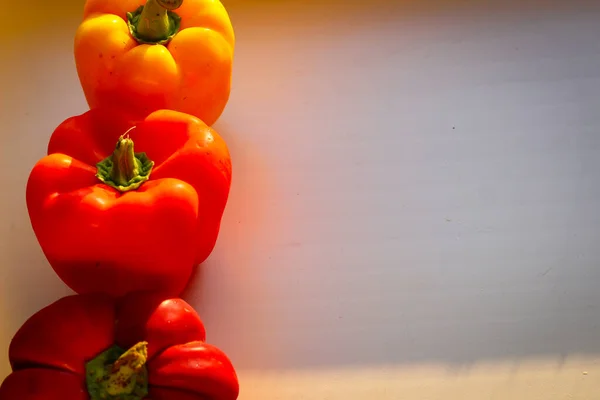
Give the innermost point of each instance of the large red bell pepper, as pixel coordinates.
(113, 220)
(74, 349)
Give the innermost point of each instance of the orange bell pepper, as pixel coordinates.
(157, 54)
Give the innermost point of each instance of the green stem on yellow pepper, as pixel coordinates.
(155, 22)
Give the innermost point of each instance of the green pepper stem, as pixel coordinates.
(124, 169)
(125, 165)
(123, 375)
(154, 23)
(116, 374)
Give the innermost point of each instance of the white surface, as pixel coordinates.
(414, 212)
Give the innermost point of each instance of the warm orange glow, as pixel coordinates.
(384, 233)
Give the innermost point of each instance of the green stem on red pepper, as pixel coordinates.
(124, 169)
(155, 22)
(116, 374)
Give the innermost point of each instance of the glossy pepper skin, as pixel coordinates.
(175, 55)
(114, 220)
(57, 352)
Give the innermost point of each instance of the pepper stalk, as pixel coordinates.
(124, 169)
(155, 22)
(116, 374)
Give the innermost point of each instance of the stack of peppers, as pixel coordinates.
(126, 204)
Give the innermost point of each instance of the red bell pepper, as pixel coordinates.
(115, 221)
(74, 349)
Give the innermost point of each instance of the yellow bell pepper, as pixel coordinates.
(146, 55)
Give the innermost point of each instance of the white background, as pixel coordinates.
(414, 212)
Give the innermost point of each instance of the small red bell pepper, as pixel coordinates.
(93, 347)
(113, 220)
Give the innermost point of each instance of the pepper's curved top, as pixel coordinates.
(207, 14)
(145, 55)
